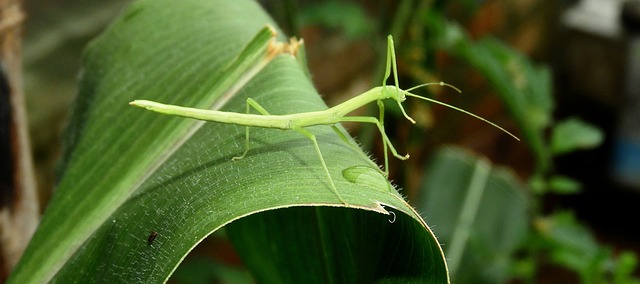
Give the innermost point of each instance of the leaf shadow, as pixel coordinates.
(259, 147)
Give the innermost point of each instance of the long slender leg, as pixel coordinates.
(250, 103)
(391, 61)
(387, 142)
(384, 141)
(324, 164)
(390, 54)
(341, 135)
(391, 64)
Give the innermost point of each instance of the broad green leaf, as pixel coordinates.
(139, 190)
(368, 248)
(574, 134)
(201, 270)
(479, 213)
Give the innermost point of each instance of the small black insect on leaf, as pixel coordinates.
(152, 237)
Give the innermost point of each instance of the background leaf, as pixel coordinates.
(127, 173)
(479, 212)
(574, 134)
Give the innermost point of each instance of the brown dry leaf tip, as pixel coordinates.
(276, 47)
(294, 46)
(290, 47)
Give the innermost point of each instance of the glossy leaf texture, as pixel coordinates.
(137, 190)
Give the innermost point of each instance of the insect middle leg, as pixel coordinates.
(252, 103)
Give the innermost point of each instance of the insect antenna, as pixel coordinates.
(408, 93)
(433, 83)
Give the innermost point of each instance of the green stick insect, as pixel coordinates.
(331, 116)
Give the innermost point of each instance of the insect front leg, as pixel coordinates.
(385, 139)
(380, 124)
(250, 103)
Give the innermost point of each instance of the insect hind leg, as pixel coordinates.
(324, 164)
(250, 103)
